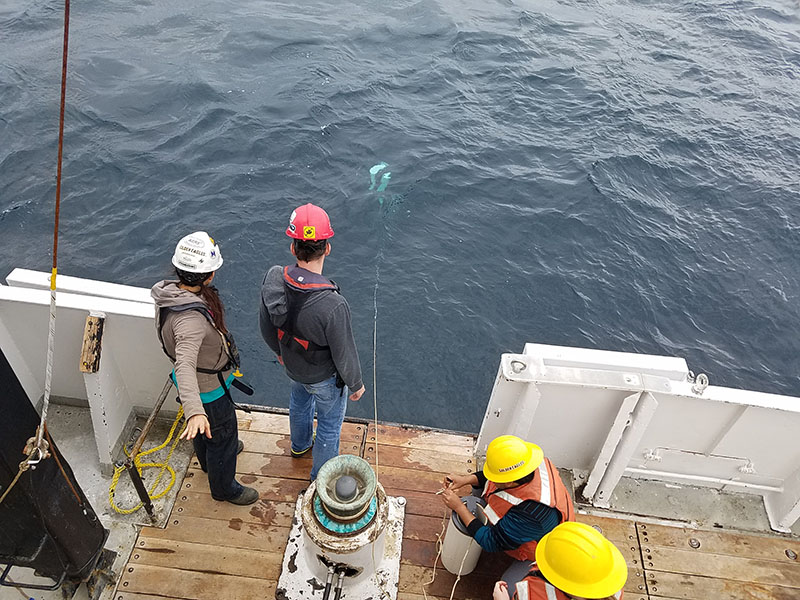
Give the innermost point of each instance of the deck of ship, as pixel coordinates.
(211, 550)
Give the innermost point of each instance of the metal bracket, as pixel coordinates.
(627, 431)
(652, 455)
(31, 586)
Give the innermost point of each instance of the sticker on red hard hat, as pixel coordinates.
(309, 222)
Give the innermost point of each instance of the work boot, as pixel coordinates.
(296, 454)
(248, 495)
(239, 447)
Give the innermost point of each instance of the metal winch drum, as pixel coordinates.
(346, 536)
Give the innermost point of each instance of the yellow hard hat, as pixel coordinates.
(579, 561)
(509, 458)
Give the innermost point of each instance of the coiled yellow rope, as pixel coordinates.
(140, 465)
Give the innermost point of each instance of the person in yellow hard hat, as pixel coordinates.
(525, 499)
(573, 562)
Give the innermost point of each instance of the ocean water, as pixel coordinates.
(615, 174)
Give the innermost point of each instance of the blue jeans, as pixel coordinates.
(217, 456)
(330, 404)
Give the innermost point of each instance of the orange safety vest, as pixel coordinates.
(546, 487)
(534, 587)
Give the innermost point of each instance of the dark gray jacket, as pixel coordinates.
(312, 305)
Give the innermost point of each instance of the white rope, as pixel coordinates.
(439, 542)
(48, 373)
(375, 351)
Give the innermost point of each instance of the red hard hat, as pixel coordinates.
(309, 222)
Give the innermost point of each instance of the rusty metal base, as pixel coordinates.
(299, 582)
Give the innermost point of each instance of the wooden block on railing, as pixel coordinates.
(92, 343)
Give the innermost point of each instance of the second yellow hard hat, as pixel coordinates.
(578, 560)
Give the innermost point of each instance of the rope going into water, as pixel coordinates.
(439, 540)
(51, 329)
(37, 449)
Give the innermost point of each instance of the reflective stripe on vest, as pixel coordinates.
(490, 514)
(522, 590)
(545, 488)
(545, 479)
(551, 592)
(509, 498)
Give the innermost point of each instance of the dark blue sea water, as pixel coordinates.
(616, 174)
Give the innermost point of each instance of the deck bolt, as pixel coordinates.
(124, 584)
(141, 543)
(130, 570)
(694, 543)
(791, 554)
(136, 556)
(655, 589)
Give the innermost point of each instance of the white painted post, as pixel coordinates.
(109, 403)
(629, 440)
(621, 422)
(783, 508)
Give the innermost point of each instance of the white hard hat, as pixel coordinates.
(197, 253)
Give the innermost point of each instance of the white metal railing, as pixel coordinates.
(613, 414)
(132, 369)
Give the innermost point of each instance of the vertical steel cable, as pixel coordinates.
(51, 332)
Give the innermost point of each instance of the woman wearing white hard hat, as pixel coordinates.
(190, 321)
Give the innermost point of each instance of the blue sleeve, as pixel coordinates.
(526, 522)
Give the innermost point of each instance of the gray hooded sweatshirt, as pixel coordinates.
(321, 315)
(193, 341)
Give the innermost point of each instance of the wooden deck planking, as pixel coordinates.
(688, 564)
(211, 549)
(232, 533)
(269, 488)
(691, 587)
(419, 458)
(192, 556)
(264, 511)
(193, 585)
(422, 439)
(721, 542)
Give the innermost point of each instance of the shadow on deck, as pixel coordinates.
(211, 550)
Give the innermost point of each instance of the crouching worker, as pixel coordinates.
(525, 499)
(573, 562)
(190, 322)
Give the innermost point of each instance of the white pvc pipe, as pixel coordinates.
(743, 484)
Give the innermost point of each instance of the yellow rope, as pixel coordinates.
(140, 466)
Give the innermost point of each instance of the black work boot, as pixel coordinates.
(248, 495)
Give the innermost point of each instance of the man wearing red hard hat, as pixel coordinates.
(305, 320)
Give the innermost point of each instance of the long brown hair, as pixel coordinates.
(208, 293)
(210, 296)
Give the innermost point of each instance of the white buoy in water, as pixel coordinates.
(460, 553)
